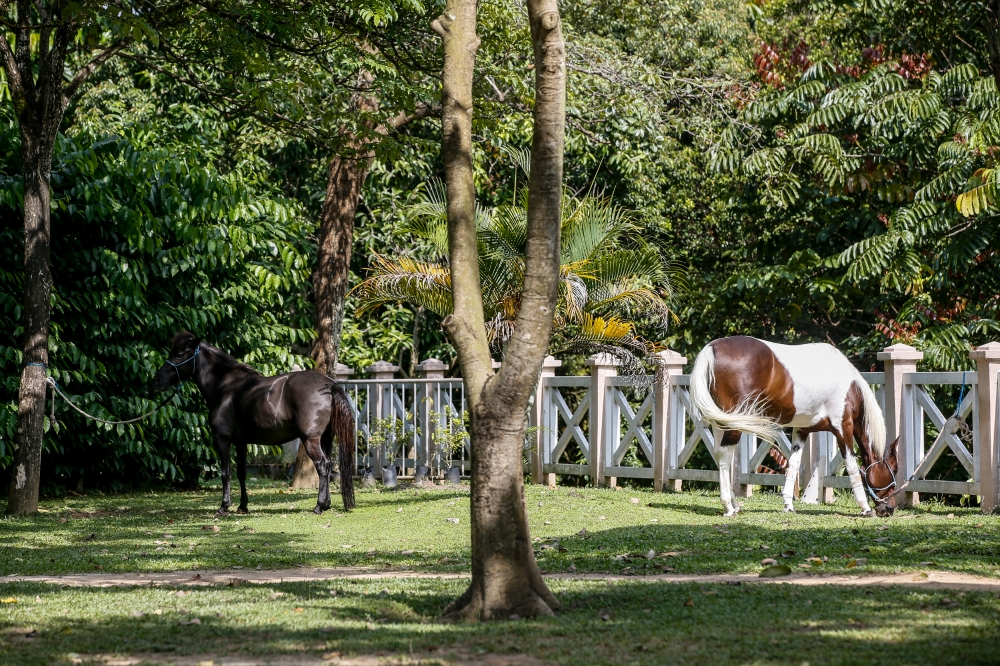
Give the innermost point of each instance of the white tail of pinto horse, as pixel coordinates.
(747, 417)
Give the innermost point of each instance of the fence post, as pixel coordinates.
(602, 367)
(536, 420)
(424, 404)
(342, 372)
(900, 359)
(987, 358)
(382, 393)
(671, 363)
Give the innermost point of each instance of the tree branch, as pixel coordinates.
(14, 83)
(93, 66)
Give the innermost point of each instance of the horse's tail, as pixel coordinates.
(747, 417)
(874, 419)
(342, 428)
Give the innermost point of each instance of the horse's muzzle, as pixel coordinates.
(884, 511)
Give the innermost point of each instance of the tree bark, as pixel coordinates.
(332, 274)
(506, 580)
(39, 104)
(992, 29)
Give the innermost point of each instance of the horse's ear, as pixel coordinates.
(891, 453)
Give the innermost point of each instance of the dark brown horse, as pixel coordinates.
(244, 407)
(742, 384)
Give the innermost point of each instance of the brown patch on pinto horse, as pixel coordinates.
(746, 368)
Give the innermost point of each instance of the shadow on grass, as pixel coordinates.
(632, 622)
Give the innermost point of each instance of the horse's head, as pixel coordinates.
(880, 479)
(181, 363)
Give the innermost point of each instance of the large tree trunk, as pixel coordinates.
(506, 581)
(992, 28)
(332, 274)
(39, 105)
(23, 494)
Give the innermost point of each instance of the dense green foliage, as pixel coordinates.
(813, 169)
(149, 237)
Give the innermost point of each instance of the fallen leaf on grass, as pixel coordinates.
(689, 602)
(602, 517)
(547, 522)
(664, 568)
(298, 609)
(768, 561)
(449, 560)
(788, 553)
(978, 525)
(815, 560)
(805, 565)
(604, 614)
(634, 500)
(928, 564)
(407, 552)
(775, 570)
(190, 622)
(670, 553)
(138, 614)
(881, 539)
(347, 545)
(8, 600)
(452, 520)
(571, 568)
(210, 528)
(947, 603)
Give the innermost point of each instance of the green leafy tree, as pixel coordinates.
(609, 278)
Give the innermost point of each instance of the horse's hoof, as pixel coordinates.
(318, 510)
(868, 514)
(243, 510)
(789, 509)
(732, 512)
(222, 512)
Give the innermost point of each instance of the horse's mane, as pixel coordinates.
(231, 362)
(224, 359)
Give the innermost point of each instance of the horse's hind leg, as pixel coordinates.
(725, 447)
(241, 474)
(315, 450)
(792, 472)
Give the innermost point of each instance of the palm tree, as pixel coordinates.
(610, 279)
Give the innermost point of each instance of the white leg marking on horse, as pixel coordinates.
(856, 486)
(791, 473)
(724, 459)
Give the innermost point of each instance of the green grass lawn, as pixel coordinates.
(584, 528)
(627, 622)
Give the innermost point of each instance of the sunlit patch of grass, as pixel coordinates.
(593, 530)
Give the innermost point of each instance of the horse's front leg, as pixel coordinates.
(854, 474)
(792, 472)
(725, 447)
(315, 450)
(222, 447)
(241, 474)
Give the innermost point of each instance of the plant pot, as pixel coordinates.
(453, 475)
(389, 476)
(368, 478)
(421, 473)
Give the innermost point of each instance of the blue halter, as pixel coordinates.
(194, 359)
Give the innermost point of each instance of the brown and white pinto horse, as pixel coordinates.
(742, 384)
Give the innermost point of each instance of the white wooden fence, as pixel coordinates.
(605, 427)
